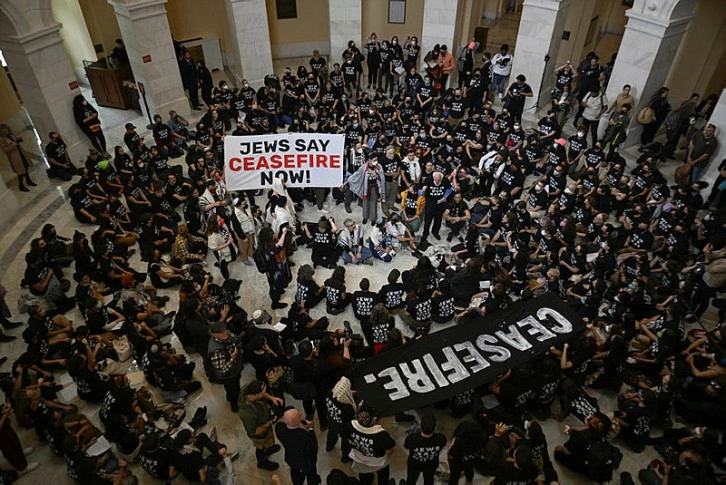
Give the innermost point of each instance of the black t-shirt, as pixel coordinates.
(392, 295)
(188, 462)
(443, 308)
(156, 462)
(339, 414)
(371, 445)
(362, 302)
(457, 107)
(424, 451)
(305, 290)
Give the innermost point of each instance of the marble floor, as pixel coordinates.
(48, 203)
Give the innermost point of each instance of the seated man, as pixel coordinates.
(456, 215)
(401, 233)
(380, 242)
(351, 239)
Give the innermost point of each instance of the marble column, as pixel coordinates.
(650, 43)
(346, 20)
(540, 31)
(439, 26)
(47, 84)
(718, 119)
(145, 31)
(250, 38)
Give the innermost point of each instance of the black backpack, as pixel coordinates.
(602, 458)
(261, 260)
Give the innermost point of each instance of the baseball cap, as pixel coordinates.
(130, 126)
(217, 327)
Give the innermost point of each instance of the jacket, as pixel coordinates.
(715, 274)
(358, 182)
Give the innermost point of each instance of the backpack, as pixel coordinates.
(682, 175)
(261, 260)
(645, 116)
(601, 459)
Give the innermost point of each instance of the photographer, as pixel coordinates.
(258, 422)
(225, 361)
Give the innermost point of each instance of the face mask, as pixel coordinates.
(343, 98)
(246, 85)
(225, 87)
(428, 81)
(349, 61)
(580, 134)
(516, 127)
(355, 125)
(373, 163)
(422, 135)
(554, 144)
(414, 42)
(371, 112)
(434, 119)
(395, 42)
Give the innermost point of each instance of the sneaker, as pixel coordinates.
(368, 261)
(6, 338)
(31, 466)
(348, 209)
(500, 96)
(437, 237)
(346, 459)
(28, 450)
(268, 465)
(278, 305)
(348, 328)
(8, 325)
(450, 237)
(272, 449)
(234, 456)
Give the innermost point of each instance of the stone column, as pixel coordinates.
(540, 31)
(45, 79)
(346, 20)
(439, 26)
(145, 31)
(251, 38)
(718, 118)
(650, 43)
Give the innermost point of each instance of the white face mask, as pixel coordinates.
(580, 134)
(516, 127)
(395, 42)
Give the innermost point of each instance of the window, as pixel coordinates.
(396, 11)
(286, 9)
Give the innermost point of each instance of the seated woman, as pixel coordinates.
(337, 296)
(376, 327)
(58, 247)
(308, 291)
(43, 281)
(162, 273)
(325, 248)
(114, 270)
(85, 207)
(305, 326)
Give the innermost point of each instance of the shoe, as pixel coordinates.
(329, 448)
(348, 328)
(368, 262)
(500, 95)
(450, 237)
(348, 209)
(49, 174)
(346, 459)
(365, 221)
(272, 450)
(369, 86)
(277, 305)
(268, 465)
(31, 466)
(6, 338)
(28, 450)
(247, 262)
(24, 189)
(437, 237)
(31, 183)
(290, 263)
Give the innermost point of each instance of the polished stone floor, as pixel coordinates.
(48, 203)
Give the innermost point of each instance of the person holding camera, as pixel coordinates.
(258, 422)
(225, 361)
(301, 447)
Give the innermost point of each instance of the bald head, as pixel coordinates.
(292, 418)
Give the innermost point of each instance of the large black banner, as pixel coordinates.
(460, 358)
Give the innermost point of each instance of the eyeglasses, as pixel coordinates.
(350, 226)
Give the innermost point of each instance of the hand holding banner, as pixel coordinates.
(449, 362)
(301, 159)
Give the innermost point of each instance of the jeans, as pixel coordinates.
(365, 253)
(498, 83)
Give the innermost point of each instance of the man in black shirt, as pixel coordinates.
(301, 447)
(517, 92)
(351, 75)
(424, 449)
(60, 163)
(437, 190)
(131, 138)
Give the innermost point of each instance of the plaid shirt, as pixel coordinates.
(220, 358)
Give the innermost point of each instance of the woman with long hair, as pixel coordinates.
(86, 117)
(10, 143)
(377, 326)
(308, 291)
(278, 270)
